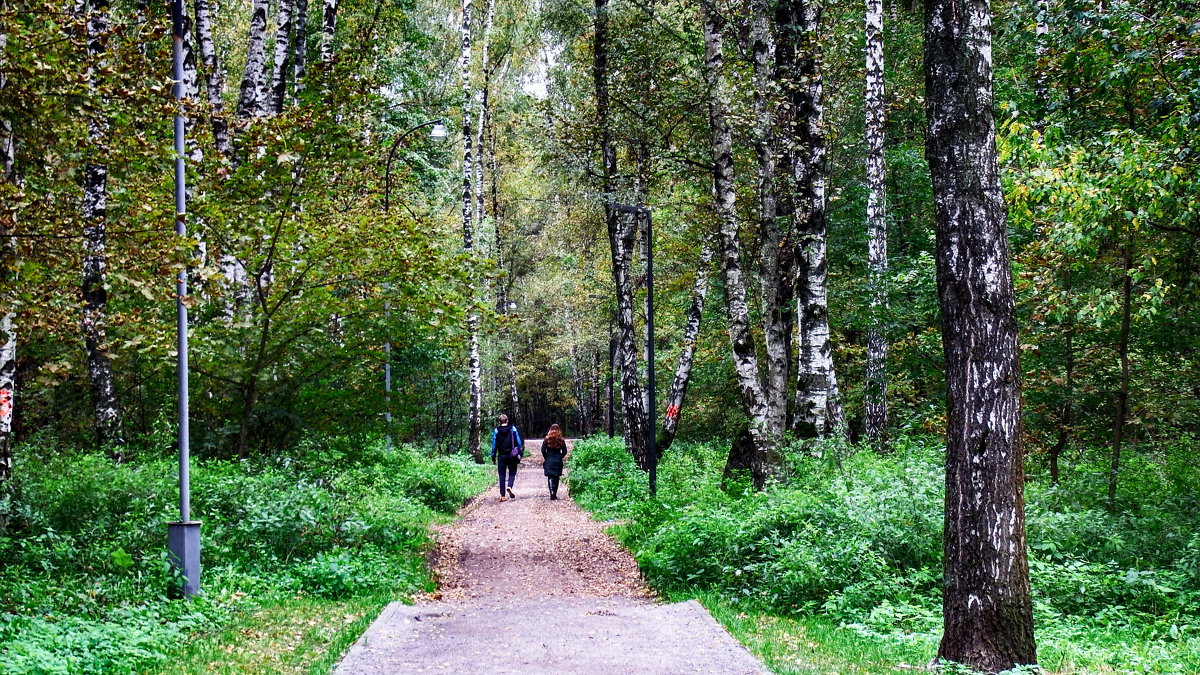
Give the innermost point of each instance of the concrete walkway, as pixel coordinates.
(535, 586)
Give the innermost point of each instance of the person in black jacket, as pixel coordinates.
(507, 448)
(554, 451)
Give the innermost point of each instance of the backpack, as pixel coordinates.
(514, 450)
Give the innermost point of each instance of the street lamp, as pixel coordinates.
(651, 451)
(437, 133)
(183, 537)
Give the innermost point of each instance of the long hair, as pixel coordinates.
(554, 437)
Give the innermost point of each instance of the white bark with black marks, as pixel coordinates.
(818, 411)
(300, 49)
(283, 55)
(328, 28)
(622, 235)
(249, 98)
(8, 282)
(687, 353)
(214, 77)
(474, 367)
(764, 440)
(877, 261)
(986, 605)
(107, 413)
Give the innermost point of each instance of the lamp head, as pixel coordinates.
(439, 131)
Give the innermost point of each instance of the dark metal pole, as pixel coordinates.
(183, 537)
(652, 452)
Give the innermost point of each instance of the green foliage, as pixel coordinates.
(861, 545)
(84, 574)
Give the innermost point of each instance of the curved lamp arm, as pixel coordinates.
(387, 188)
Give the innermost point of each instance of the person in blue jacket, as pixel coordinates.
(507, 449)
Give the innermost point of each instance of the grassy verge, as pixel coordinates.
(299, 555)
(838, 568)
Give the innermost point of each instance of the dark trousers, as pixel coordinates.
(507, 465)
(552, 483)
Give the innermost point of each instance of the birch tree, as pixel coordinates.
(328, 28)
(8, 264)
(475, 371)
(107, 413)
(877, 346)
(687, 353)
(300, 49)
(622, 235)
(763, 439)
(214, 77)
(256, 55)
(818, 410)
(986, 599)
(273, 104)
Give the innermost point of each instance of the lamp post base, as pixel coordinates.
(183, 545)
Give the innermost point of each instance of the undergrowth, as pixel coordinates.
(83, 568)
(858, 543)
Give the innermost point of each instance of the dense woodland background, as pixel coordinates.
(327, 238)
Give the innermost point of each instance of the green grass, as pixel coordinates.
(286, 635)
(813, 644)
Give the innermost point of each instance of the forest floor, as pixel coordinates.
(531, 585)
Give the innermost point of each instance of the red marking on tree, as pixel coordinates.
(672, 411)
(5, 402)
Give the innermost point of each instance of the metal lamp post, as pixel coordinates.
(651, 450)
(183, 537)
(437, 133)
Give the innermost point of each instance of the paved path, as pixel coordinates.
(536, 586)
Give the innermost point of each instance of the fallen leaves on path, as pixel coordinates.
(530, 547)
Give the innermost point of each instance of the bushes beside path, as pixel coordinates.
(840, 566)
(314, 543)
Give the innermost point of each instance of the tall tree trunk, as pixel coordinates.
(328, 28)
(621, 235)
(817, 408)
(300, 50)
(484, 97)
(1122, 398)
(687, 352)
(256, 59)
(8, 281)
(776, 258)
(214, 76)
(764, 440)
(475, 372)
(1041, 87)
(283, 54)
(107, 415)
(986, 604)
(877, 262)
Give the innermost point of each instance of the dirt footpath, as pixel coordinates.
(531, 585)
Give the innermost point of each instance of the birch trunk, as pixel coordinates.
(776, 262)
(328, 28)
(763, 440)
(1041, 87)
(475, 372)
(986, 603)
(8, 281)
(214, 77)
(877, 262)
(817, 410)
(621, 235)
(256, 60)
(283, 53)
(687, 353)
(107, 414)
(484, 112)
(300, 50)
